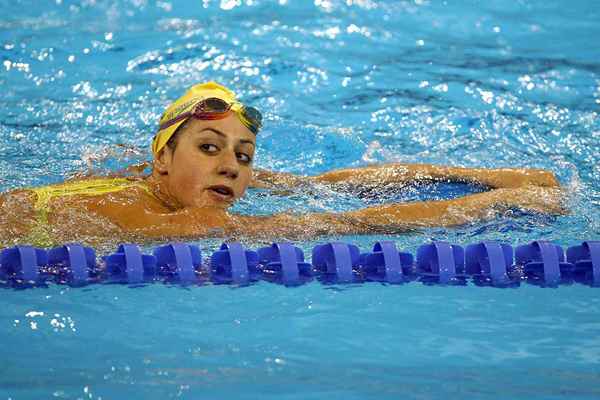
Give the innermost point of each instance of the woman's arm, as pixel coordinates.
(16, 215)
(407, 173)
(462, 210)
(389, 218)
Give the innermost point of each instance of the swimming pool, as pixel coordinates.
(343, 83)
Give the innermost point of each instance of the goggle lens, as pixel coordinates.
(253, 118)
(212, 105)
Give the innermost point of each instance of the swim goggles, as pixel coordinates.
(208, 100)
(215, 108)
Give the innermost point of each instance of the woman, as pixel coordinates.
(203, 155)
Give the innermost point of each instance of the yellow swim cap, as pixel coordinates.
(185, 103)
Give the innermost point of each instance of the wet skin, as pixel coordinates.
(192, 186)
(190, 189)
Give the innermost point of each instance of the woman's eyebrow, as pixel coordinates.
(223, 135)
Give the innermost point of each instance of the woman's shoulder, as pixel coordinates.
(88, 191)
(16, 196)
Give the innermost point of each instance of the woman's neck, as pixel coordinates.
(160, 190)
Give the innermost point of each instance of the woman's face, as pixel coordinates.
(211, 164)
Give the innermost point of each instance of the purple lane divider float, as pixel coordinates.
(543, 263)
(486, 263)
(178, 261)
(385, 263)
(336, 261)
(73, 262)
(129, 265)
(489, 263)
(22, 263)
(441, 262)
(232, 263)
(586, 262)
(284, 262)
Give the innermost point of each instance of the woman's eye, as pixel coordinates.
(245, 158)
(209, 148)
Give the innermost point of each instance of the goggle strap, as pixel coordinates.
(175, 120)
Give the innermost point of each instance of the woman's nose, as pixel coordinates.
(228, 165)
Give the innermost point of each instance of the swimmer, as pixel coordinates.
(203, 155)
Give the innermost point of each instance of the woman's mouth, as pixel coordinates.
(221, 193)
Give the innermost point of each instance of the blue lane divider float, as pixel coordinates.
(486, 264)
(234, 264)
(489, 263)
(586, 262)
(129, 265)
(441, 262)
(284, 262)
(178, 261)
(336, 261)
(543, 263)
(73, 262)
(23, 263)
(386, 264)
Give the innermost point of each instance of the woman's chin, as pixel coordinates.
(210, 202)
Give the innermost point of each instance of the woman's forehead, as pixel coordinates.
(230, 128)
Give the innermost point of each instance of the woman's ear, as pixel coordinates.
(163, 160)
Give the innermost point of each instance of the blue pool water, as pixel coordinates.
(342, 83)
